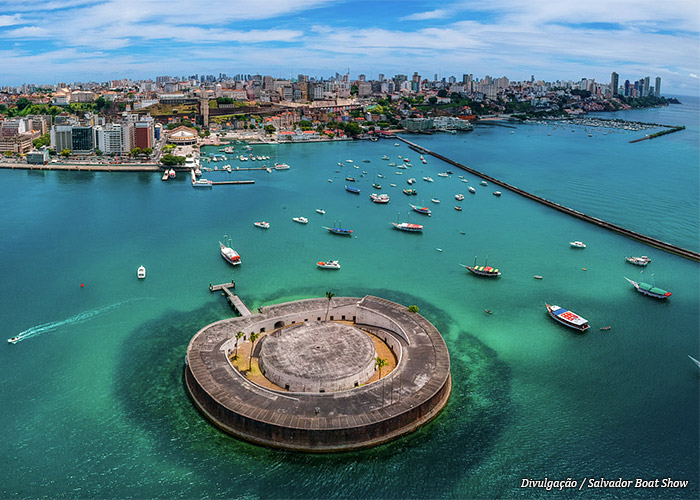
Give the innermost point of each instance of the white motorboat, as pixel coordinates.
(262, 224)
(329, 264)
(165, 176)
(577, 244)
(320, 211)
(483, 183)
(171, 173)
(435, 200)
(428, 179)
(443, 174)
(497, 193)
(472, 190)
(141, 272)
(459, 197)
(300, 220)
(202, 183)
(229, 254)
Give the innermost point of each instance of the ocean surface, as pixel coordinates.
(93, 401)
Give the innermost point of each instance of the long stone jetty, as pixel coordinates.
(668, 247)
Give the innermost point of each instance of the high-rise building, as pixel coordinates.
(82, 140)
(646, 85)
(614, 83)
(657, 87)
(627, 88)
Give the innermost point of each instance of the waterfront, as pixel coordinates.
(98, 407)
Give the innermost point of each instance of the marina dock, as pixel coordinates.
(217, 183)
(233, 299)
(668, 247)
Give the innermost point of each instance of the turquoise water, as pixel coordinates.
(93, 398)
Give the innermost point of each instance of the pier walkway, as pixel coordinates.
(233, 299)
(668, 247)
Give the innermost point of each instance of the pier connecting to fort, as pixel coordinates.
(315, 382)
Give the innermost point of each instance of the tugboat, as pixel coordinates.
(649, 289)
(568, 318)
(484, 270)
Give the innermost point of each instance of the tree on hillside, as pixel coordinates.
(22, 103)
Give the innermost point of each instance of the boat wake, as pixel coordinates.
(78, 318)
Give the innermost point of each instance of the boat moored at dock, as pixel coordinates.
(568, 318)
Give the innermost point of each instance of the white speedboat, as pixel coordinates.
(141, 272)
(329, 264)
(428, 179)
(472, 190)
(435, 200)
(300, 220)
(262, 224)
(497, 193)
(379, 198)
(638, 261)
(320, 211)
(202, 183)
(483, 183)
(165, 176)
(14, 340)
(443, 174)
(229, 254)
(577, 244)
(459, 197)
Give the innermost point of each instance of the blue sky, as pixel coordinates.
(80, 40)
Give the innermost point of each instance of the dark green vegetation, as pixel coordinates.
(171, 160)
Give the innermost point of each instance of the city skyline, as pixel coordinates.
(82, 40)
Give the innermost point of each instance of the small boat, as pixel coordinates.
(320, 211)
(423, 160)
(329, 264)
(537, 277)
(568, 318)
(330, 180)
(202, 183)
(450, 172)
(352, 190)
(350, 179)
(459, 197)
(262, 225)
(421, 210)
(396, 144)
(171, 173)
(16, 339)
(410, 192)
(434, 200)
(393, 185)
(380, 176)
(694, 360)
(366, 161)
(483, 183)
(349, 161)
(165, 176)
(281, 166)
(438, 249)
(392, 164)
(300, 220)
(428, 179)
(577, 244)
(385, 157)
(605, 328)
(484, 270)
(379, 198)
(649, 289)
(229, 254)
(458, 208)
(443, 174)
(638, 261)
(497, 193)
(472, 190)
(376, 186)
(141, 272)
(465, 180)
(411, 180)
(488, 311)
(339, 230)
(398, 173)
(407, 226)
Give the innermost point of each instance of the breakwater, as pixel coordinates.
(659, 134)
(668, 247)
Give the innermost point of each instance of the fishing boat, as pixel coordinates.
(428, 179)
(484, 270)
(350, 179)
(141, 272)
(339, 230)
(300, 220)
(329, 264)
(421, 210)
(320, 211)
(352, 190)
(577, 244)
(568, 318)
(410, 192)
(497, 193)
(472, 190)
(407, 226)
(262, 224)
(638, 261)
(379, 198)
(228, 253)
(649, 289)
(459, 197)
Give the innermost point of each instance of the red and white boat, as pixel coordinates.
(421, 210)
(229, 254)
(262, 224)
(568, 318)
(379, 198)
(329, 264)
(407, 226)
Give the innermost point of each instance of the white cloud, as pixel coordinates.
(423, 16)
(10, 20)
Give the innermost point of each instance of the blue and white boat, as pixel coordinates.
(352, 190)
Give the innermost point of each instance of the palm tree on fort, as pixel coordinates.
(380, 363)
(329, 296)
(253, 337)
(239, 336)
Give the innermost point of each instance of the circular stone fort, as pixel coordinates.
(324, 375)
